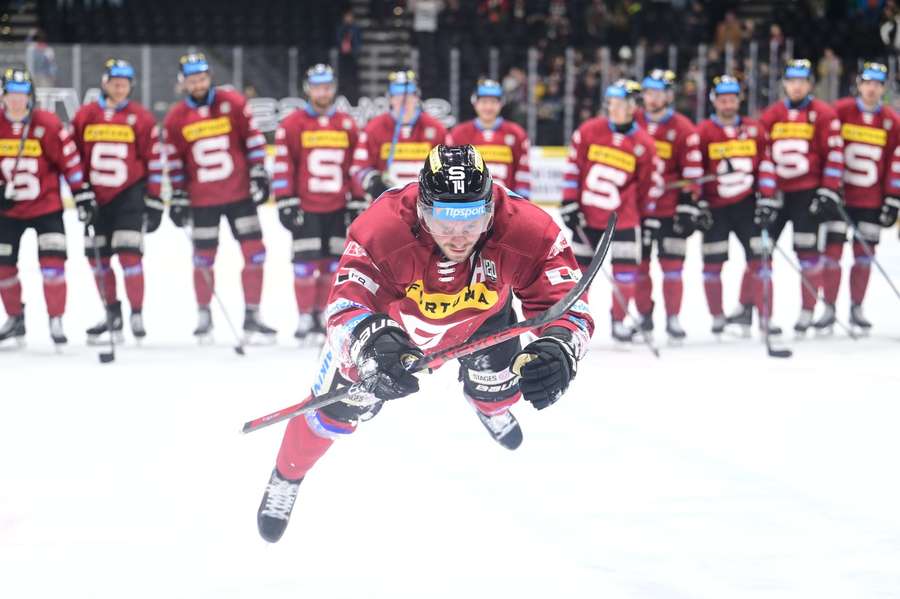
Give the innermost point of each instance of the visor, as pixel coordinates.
(469, 219)
(872, 73)
(125, 71)
(192, 68)
(651, 83)
(17, 87)
(398, 89)
(320, 78)
(796, 73)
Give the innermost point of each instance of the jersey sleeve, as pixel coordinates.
(62, 152)
(364, 157)
(521, 178)
(690, 158)
(765, 172)
(647, 175)
(254, 141)
(171, 156)
(286, 159)
(572, 169)
(144, 139)
(830, 146)
(892, 177)
(78, 133)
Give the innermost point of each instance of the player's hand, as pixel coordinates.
(86, 204)
(825, 205)
(180, 208)
(889, 210)
(572, 216)
(6, 203)
(687, 215)
(259, 184)
(705, 217)
(382, 352)
(546, 367)
(153, 213)
(355, 207)
(376, 183)
(766, 212)
(289, 213)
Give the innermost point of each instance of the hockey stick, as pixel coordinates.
(239, 348)
(436, 359)
(866, 248)
(678, 184)
(398, 124)
(648, 341)
(809, 287)
(110, 356)
(764, 314)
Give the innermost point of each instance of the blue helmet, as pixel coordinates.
(402, 83)
(724, 85)
(116, 67)
(191, 64)
(798, 69)
(487, 88)
(623, 88)
(17, 81)
(662, 79)
(873, 71)
(320, 73)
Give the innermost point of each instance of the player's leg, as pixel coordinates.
(835, 238)
(51, 234)
(869, 230)
(715, 254)
(643, 290)
(128, 245)
(333, 240)
(307, 251)
(750, 236)
(245, 227)
(205, 237)
(104, 277)
(806, 246)
(626, 258)
(11, 230)
(671, 251)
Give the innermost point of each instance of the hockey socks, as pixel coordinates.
(11, 290)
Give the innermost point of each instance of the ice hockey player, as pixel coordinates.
(428, 266)
(610, 168)
(35, 150)
(215, 158)
(114, 138)
(393, 145)
(807, 152)
(735, 149)
(503, 144)
(871, 133)
(313, 152)
(670, 217)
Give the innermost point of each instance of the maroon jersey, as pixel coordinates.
(49, 152)
(115, 145)
(414, 143)
(312, 159)
(738, 155)
(504, 148)
(609, 172)
(677, 157)
(871, 161)
(209, 149)
(805, 145)
(391, 265)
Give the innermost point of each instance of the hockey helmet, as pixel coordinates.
(455, 191)
(487, 88)
(662, 79)
(401, 83)
(627, 89)
(318, 75)
(799, 68)
(191, 64)
(116, 67)
(17, 81)
(724, 85)
(873, 71)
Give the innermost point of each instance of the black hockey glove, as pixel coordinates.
(687, 214)
(376, 183)
(153, 213)
(572, 216)
(824, 205)
(705, 217)
(355, 207)
(546, 367)
(289, 213)
(889, 210)
(382, 351)
(5, 202)
(766, 212)
(180, 208)
(85, 204)
(259, 184)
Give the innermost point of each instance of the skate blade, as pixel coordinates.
(824, 331)
(675, 341)
(259, 339)
(17, 343)
(206, 339)
(860, 331)
(799, 335)
(96, 340)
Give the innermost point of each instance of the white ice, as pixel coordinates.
(714, 472)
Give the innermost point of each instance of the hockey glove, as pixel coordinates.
(572, 216)
(824, 205)
(180, 208)
(376, 183)
(289, 213)
(382, 351)
(766, 212)
(687, 215)
(705, 217)
(355, 207)
(6, 203)
(259, 184)
(86, 204)
(889, 210)
(153, 212)
(546, 367)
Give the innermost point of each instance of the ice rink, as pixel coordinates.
(714, 472)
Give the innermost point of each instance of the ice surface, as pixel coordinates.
(714, 472)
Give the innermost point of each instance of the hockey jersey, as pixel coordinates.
(871, 153)
(504, 148)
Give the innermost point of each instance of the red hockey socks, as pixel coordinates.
(747, 294)
(133, 273)
(643, 290)
(624, 277)
(306, 439)
(490, 408)
(831, 271)
(763, 292)
(252, 275)
(53, 270)
(324, 282)
(204, 275)
(673, 288)
(11, 290)
(105, 279)
(305, 286)
(859, 274)
(811, 269)
(712, 285)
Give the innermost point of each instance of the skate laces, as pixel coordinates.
(280, 496)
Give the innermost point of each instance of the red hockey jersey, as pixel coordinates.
(413, 145)
(677, 157)
(871, 161)
(391, 265)
(115, 145)
(609, 172)
(805, 145)
(504, 148)
(49, 152)
(208, 150)
(738, 155)
(313, 154)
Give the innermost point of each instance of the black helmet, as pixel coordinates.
(455, 186)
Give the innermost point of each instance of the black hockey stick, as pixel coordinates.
(356, 393)
(774, 352)
(648, 340)
(107, 356)
(857, 236)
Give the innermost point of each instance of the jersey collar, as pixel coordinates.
(312, 112)
(718, 123)
(862, 107)
(210, 98)
(120, 106)
(631, 129)
(665, 117)
(803, 103)
(496, 126)
(412, 122)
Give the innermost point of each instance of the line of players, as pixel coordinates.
(663, 176)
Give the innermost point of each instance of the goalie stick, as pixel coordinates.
(436, 359)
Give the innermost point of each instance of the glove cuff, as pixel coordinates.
(258, 170)
(180, 201)
(568, 342)
(774, 203)
(369, 329)
(154, 204)
(569, 206)
(293, 202)
(892, 202)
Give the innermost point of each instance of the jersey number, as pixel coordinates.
(404, 171)
(25, 182)
(326, 170)
(861, 161)
(601, 187)
(108, 167)
(213, 159)
(736, 181)
(790, 156)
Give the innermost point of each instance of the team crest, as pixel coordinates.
(888, 124)
(638, 150)
(510, 139)
(323, 120)
(752, 131)
(430, 133)
(671, 135)
(131, 119)
(225, 107)
(39, 132)
(812, 116)
(347, 124)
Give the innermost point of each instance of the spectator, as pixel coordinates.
(697, 24)
(729, 31)
(348, 43)
(596, 23)
(829, 72)
(890, 28)
(44, 59)
(515, 89)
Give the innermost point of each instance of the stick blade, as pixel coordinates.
(106, 357)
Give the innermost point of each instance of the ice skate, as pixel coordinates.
(275, 508)
(14, 329)
(826, 322)
(136, 321)
(674, 330)
(858, 322)
(743, 318)
(204, 329)
(255, 332)
(56, 331)
(96, 335)
(503, 428)
(804, 322)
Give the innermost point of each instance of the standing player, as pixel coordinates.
(393, 145)
(807, 151)
(503, 144)
(426, 267)
(35, 150)
(871, 189)
(610, 169)
(312, 162)
(670, 217)
(734, 149)
(113, 136)
(215, 156)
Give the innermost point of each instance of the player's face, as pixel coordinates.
(870, 92)
(488, 109)
(321, 96)
(456, 240)
(117, 89)
(16, 103)
(409, 106)
(197, 85)
(620, 110)
(797, 89)
(727, 106)
(655, 100)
